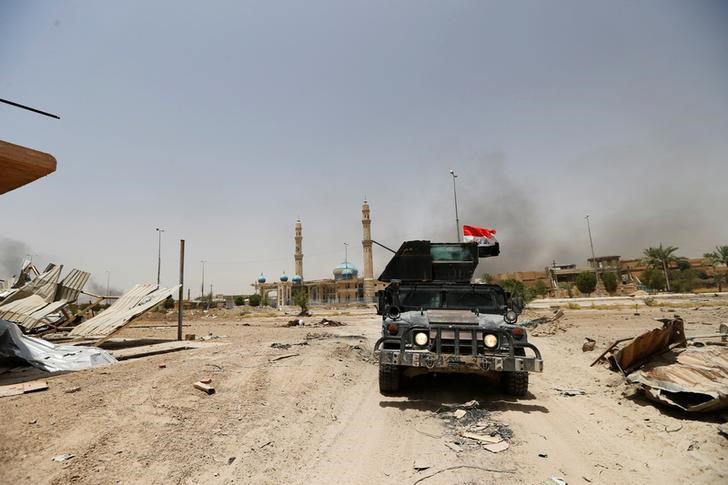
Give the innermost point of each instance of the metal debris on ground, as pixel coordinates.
(472, 426)
(694, 379)
(47, 356)
(281, 357)
(133, 303)
(649, 343)
(41, 302)
(278, 345)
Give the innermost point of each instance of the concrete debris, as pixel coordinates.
(73, 389)
(206, 380)
(206, 388)
(454, 447)
(497, 447)
(570, 392)
(296, 322)
(420, 465)
(22, 388)
(278, 345)
(460, 413)
(588, 344)
(63, 457)
(47, 356)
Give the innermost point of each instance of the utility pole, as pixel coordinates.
(455, 196)
(159, 254)
(202, 286)
(346, 254)
(181, 287)
(591, 244)
(108, 277)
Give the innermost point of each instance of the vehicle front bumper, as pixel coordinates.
(504, 360)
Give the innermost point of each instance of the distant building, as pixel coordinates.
(346, 286)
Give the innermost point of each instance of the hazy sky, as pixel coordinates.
(223, 122)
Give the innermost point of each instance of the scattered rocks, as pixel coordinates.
(588, 344)
(73, 389)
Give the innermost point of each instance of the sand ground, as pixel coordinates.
(318, 417)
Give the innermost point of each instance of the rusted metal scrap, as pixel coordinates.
(650, 343)
(694, 379)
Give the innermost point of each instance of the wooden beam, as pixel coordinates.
(20, 165)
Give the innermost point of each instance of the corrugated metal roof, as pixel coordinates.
(130, 305)
(693, 379)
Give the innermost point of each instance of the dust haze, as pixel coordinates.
(630, 208)
(12, 253)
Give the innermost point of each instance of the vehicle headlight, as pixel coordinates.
(490, 340)
(421, 339)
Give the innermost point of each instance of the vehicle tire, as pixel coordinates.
(388, 378)
(515, 383)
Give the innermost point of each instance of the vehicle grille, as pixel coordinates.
(457, 341)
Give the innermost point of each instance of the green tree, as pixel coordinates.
(586, 282)
(719, 256)
(683, 281)
(517, 289)
(661, 257)
(239, 300)
(539, 288)
(653, 278)
(254, 300)
(300, 298)
(610, 282)
(169, 303)
(486, 278)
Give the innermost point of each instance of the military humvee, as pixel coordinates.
(435, 320)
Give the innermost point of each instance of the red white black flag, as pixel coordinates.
(481, 235)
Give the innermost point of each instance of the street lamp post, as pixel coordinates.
(159, 254)
(591, 244)
(108, 277)
(202, 286)
(455, 196)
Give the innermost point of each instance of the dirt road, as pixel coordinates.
(317, 416)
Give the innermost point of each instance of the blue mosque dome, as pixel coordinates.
(261, 279)
(296, 279)
(345, 271)
(284, 277)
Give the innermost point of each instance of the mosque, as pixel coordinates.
(346, 286)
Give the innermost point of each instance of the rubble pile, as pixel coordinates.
(472, 427)
(670, 368)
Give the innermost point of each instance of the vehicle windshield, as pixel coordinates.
(434, 299)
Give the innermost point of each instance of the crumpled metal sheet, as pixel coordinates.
(650, 343)
(37, 301)
(133, 303)
(694, 379)
(47, 356)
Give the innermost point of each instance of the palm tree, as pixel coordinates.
(660, 257)
(719, 256)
